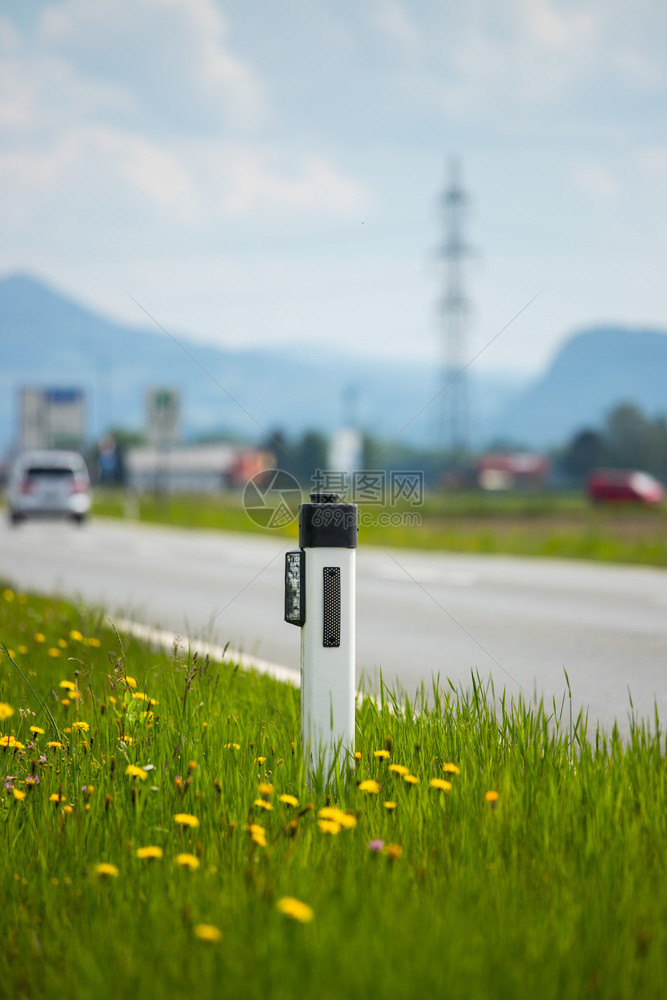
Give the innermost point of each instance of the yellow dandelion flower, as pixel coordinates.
(381, 754)
(192, 766)
(369, 786)
(329, 826)
(23, 650)
(491, 797)
(131, 682)
(393, 851)
(68, 810)
(8, 594)
(106, 870)
(450, 768)
(261, 760)
(6, 711)
(70, 685)
(54, 797)
(81, 724)
(62, 643)
(11, 743)
(10, 653)
(441, 784)
(295, 909)
(399, 769)
(140, 696)
(390, 805)
(264, 788)
(207, 932)
(136, 772)
(149, 853)
(185, 819)
(76, 635)
(95, 643)
(54, 652)
(187, 861)
(263, 804)
(411, 779)
(54, 745)
(36, 730)
(18, 794)
(357, 755)
(232, 746)
(290, 800)
(344, 819)
(257, 834)
(39, 637)
(31, 782)
(64, 702)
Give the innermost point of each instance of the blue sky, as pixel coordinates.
(269, 172)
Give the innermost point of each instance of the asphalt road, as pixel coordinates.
(521, 622)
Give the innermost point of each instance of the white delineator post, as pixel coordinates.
(320, 598)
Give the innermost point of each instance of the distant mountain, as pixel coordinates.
(592, 373)
(48, 340)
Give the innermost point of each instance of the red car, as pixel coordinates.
(624, 486)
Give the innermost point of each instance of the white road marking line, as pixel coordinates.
(167, 640)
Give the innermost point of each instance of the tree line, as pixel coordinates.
(628, 439)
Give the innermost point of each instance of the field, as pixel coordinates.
(162, 838)
(552, 525)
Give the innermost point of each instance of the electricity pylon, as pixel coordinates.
(454, 313)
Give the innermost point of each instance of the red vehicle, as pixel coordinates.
(624, 486)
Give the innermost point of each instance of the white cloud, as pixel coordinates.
(594, 178)
(534, 55)
(171, 55)
(312, 184)
(551, 28)
(93, 174)
(100, 172)
(392, 18)
(95, 132)
(640, 69)
(653, 162)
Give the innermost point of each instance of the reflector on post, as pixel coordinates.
(295, 587)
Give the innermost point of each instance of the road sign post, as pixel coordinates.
(320, 599)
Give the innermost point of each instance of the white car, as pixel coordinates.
(49, 484)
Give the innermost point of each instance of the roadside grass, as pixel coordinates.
(549, 525)
(536, 868)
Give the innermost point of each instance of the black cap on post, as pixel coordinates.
(326, 523)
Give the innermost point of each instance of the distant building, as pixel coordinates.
(512, 471)
(52, 417)
(208, 468)
(345, 450)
